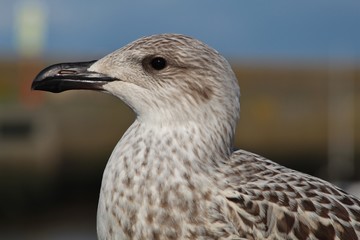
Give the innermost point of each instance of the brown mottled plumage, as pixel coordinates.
(174, 174)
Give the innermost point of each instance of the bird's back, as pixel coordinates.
(274, 202)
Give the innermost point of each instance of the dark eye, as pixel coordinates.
(158, 63)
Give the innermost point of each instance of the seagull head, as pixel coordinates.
(166, 77)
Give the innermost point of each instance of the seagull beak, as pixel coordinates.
(67, 76)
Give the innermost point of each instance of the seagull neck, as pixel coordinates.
(193, 141)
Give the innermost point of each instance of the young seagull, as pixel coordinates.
(174, 173)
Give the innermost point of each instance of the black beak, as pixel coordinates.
(67, 76)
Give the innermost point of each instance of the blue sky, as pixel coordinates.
(277, 29)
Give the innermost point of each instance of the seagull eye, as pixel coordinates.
(158, 63)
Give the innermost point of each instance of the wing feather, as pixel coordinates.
(274, 202)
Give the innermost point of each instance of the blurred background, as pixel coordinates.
(298, 65)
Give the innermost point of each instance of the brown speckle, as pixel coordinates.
(204, 92)
(110, 232)
(286, 223)
(301, 231)
(323, 212)
(340, 211)
(346, 200)
(307, 205)
(273, 197)
(252, 208)
(246, 221)
(127, 181)
(149, 217)
(348, 233)
(325, 232)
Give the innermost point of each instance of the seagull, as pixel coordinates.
(175, 174)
